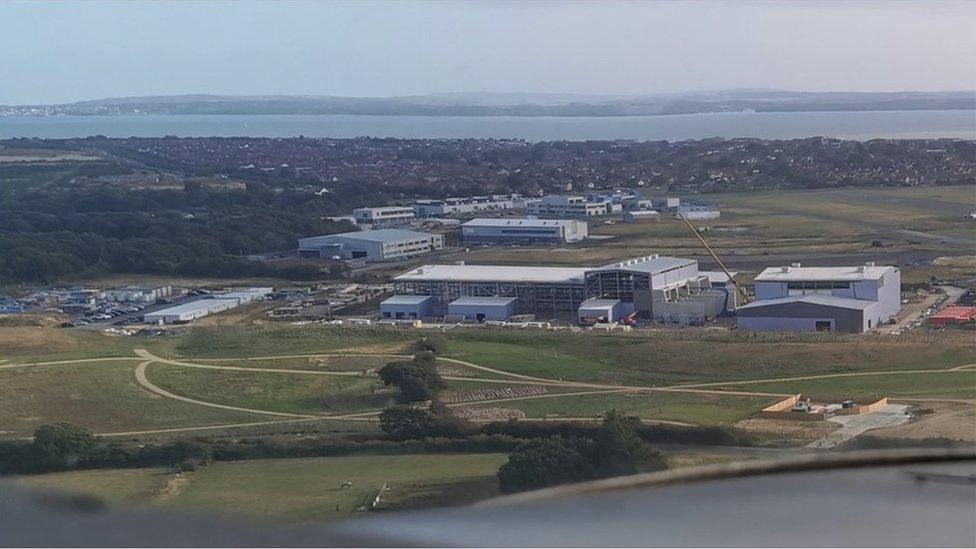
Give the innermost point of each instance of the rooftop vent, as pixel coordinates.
(861, 268)
(785, 269)
(420, 271)
(869, 264)
(795, 265)
(459, 263)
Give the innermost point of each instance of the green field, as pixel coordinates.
(297, 490)
(666, 358)
(278, 392)
(960, 384)
(102, 396)
(691, 408)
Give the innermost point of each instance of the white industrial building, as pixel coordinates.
(567, 206)
(463, 206)
(137, 294)
(376, 245)
(698, 212)
(383, 215)
(524, 231)
(217, 302)
(666, 289)
(844, 299)
(666, 202)
(633, 216)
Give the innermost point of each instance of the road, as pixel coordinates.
(853, 425)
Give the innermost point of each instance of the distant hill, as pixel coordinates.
(514, 104)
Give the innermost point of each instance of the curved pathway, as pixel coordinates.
(593, 388)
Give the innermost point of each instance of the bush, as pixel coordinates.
(61, 445)
(404, 422)
(544, 462)
(434, 343)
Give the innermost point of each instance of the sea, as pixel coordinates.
(855, 125)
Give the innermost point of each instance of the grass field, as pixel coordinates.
(296, 490)
(113, 486)
(794, 225)
(691, 408)
(102, 396)
(665, 358)
(960, 384)
(296, 393)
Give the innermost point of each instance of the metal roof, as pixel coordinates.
(378, 235)
(814, 299)
(495, 273)
(652, 264)
(407, 300)
(717, 277)
(520, 222)
(191, 307)
(596, 303)
(849, 273)
(483, 301)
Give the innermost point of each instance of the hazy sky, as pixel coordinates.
(61, 51)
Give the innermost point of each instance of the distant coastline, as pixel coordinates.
(851, 125)
(515, 105)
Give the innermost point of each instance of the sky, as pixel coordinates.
(55, 52)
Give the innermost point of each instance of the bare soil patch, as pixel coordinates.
(942, 420)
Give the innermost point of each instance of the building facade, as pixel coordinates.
(376, 245)
(463, 206)
(665, 289)
(384, 215)
(567, 206)
(524, 231)
(847, 299)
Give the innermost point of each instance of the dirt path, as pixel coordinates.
(142, 380)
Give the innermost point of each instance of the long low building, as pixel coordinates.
(524, 231)
(845, 299)
(377, 245)
(217, 302)
(667, 289)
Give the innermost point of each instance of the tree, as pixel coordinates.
(619, 450)
(416, 380)
(61, 445)
(434, 343)
(544, 462)
(408, 422)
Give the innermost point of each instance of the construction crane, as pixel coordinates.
(739, 289)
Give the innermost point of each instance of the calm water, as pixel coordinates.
(845, 125)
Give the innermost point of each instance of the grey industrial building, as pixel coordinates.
(407, 307)
(383, 215)
(667, 289)
(376, 245)
(482, 308)
(844, 299)
(524, 231)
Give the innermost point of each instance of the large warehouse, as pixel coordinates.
(844, 299)
(668, 289)
(378, 245)
(567, 206)
(524, 231)
(217, 302)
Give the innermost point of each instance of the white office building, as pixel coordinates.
(698, 212)
(524, 231)
(383, 215)
(567, 206)
(463, 206)
(844, 299)
(376, 245)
